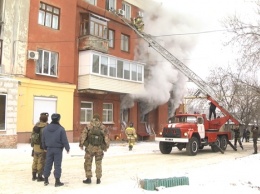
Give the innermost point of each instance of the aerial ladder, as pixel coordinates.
(202, 85)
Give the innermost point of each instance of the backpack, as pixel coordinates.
(35, 138)
(96, 136)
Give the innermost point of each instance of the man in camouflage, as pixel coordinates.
(95, 139)
(237, 137)
(39, 155)
(254, 130)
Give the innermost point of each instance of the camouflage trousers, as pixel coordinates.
(38, 162)
(91, 152)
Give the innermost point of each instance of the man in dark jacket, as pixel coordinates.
(54, 139)
(212, 109)
(255, 137)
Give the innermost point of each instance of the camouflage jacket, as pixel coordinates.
(86, 131)
(38, 128)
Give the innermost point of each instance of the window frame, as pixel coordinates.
(39, 69)
(109, 3)
(92, 2)
(125, 43)
(86, 110)
(111, 38)
(116, 68)
(47, 14)
(107, 118)
(127, 8)
(4, 111)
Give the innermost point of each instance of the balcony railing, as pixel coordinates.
(89, 42)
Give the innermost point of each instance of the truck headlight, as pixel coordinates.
(185, 134)
(160, 133)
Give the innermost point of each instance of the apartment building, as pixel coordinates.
(75, 58)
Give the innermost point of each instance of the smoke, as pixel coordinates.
(163, 83)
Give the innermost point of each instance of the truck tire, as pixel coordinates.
(165, 147)
(192, 147)
(223, 142)
(213, 148)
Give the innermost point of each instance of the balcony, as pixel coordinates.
(89, 42)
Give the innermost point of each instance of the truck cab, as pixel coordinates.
(192, 132)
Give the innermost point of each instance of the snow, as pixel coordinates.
(240, 175)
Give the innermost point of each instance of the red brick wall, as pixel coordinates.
(8, 141)
(62, 41)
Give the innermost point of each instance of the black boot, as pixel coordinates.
(40, 178)
(98, 181)
(87, 181)
(242, 147)
(34, 176)
(130, 147)
(58, 183)
(46, 181)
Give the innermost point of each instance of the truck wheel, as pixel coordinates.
(223, 142)
(165, 147)
(213, 148)
(192, 147)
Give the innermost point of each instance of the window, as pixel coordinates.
(107, 112)
(93, 2)
(116, 68)
(124, 42)
(120, 72)
(127, 9)
(2, 111)
(47, 63)
(111, 38)
(98, 27)
(134, 72)
(140, 73)
(49, 16)
(86, 112)
(112, 67)
(95, 64)
(104, 65)
(111, 5)
(126, 70)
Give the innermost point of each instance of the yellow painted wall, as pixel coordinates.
(29, 88)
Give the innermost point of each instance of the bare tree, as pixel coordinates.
(245, 38)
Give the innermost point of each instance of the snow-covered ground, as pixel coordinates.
(240, 174)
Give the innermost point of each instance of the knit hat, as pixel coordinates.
(55, 117)
(96, 116)
(44, 117)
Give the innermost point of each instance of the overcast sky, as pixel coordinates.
(208, 15)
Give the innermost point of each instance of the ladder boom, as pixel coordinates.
(179, 65)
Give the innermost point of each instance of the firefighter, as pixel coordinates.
(131, 135)
(138, 23)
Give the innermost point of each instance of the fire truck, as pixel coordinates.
(189, 131)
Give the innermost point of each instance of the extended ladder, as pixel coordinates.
(180, 66)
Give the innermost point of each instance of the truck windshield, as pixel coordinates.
(185, 119)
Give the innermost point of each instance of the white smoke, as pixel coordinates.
(163, 83)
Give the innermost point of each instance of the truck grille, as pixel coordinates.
(171, 132)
